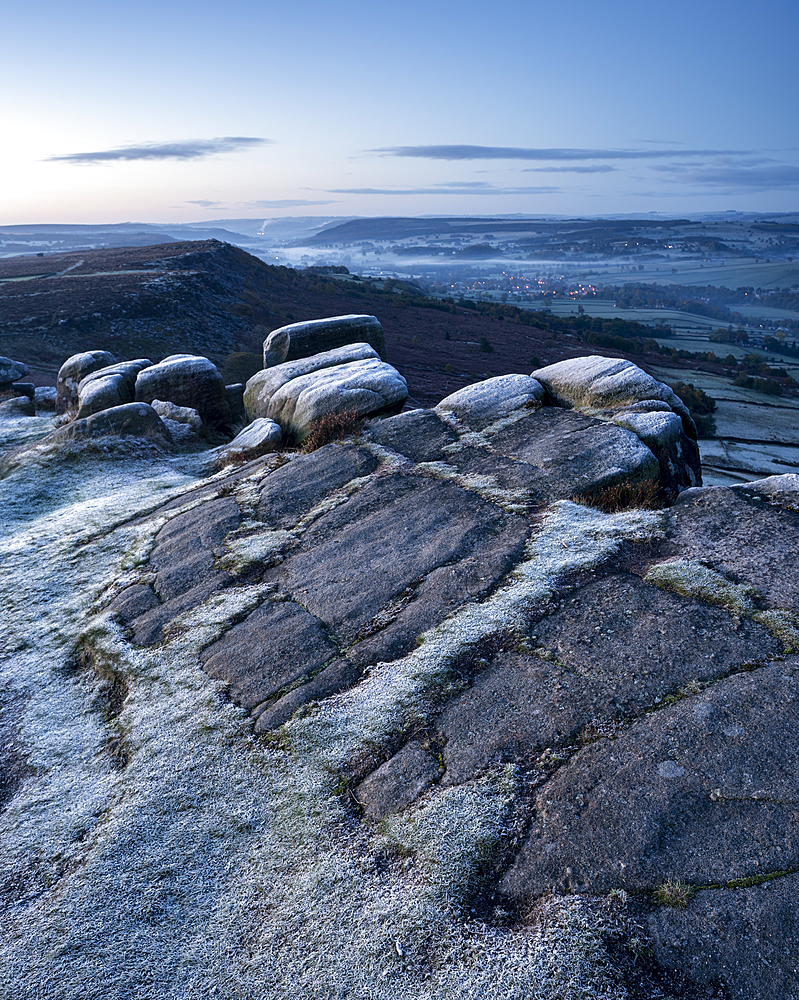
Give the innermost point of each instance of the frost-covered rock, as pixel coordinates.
(264, 384)
(128, 420)
(183, 422)
(186, 380)
(113, 385)
(602, 386)
(44, 397)
(276, 347)
(234, 394)
(11, 370)
(616, 389)
(261, 436)
(486, 402)
(369, 388)
(17, 406)
(315, 336)
(73, 371)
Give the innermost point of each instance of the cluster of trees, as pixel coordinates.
(700, 406)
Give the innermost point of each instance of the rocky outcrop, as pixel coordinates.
(481, 702)
(617, 390)
(258, 438)
(186, 380)
(317, 336)
(73, 371)
(262, 386)
(129, 420)
(486, 402)
(114, 385)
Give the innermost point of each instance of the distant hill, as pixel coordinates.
(211, 298)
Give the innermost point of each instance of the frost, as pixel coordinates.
(215, 864)
(692, 579)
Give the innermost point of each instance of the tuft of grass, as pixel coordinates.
(627, 495)
(674, 893)
(333, 427)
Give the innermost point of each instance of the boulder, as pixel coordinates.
(264, 384)
(73, 371)
(17, 406)
(603, 386)
(368, 388)
(234, 394)
(276, 347)
(315, 336)
(24, 389)
(486, 402)
(616, 389)
(183, 423)
(261, 436)
(129, 420)
(186, 380)
(113, 385)
(44, 396)
(10, 371)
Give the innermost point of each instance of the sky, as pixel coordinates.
(177, 111)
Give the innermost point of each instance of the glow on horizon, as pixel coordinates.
(177, 111)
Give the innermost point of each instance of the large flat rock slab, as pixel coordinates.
(739, 533)
(744, 940)
(644, 643)
(704, 792)
(291, 491)
(275, 645)
(356, 559)
(576, 452)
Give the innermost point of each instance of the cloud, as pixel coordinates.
(596, 169)
(751, 177)
(191, 149)
(206, 204)
(521, 153)
(288, 203)
(454, 187)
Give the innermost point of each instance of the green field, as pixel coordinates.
(731, 274)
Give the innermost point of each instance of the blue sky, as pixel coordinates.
(183, 111)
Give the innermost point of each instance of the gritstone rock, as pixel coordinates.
(129, 420)
(73, 371)
(264, 384)
(186, 380)
(366, 388)
(10, 371)
(111, 386)
(315, 336)
(486, 402)
(618, 390)
(276, 347)
(261, 436)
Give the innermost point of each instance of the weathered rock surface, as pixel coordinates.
(73, 371)
(485, 402)
(11, 371)
(183, 423)
(575, 452)
(276, 347)
(44, 397)
(628, 681)
(419, 435)
(130, 420)
(258, 438)
(262, 386)
(618, 390)
(314, 336)
(186, 380)
(17, 406)
(365, 388)
(113, 385)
